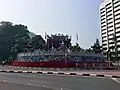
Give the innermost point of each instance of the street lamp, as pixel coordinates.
(66, 59)
(108, 56)
(115, 43)
(76, 64)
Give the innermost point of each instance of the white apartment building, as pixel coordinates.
(110, 24)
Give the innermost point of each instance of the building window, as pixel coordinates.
(110, 26)
(109, 22)
(102, 22)
(117, 6)
(109, 11)
(104, 40)
(110, 38)
(102, 9)
(117, 10)
(103, 26)
(117, 27)
(102, 12)
(109, 7)
(111, 42)
(103, 29)
(110, 34)
(109, 15)
(111, 47)
(117, 23)
(117, 36)
(104, 48)
(110, 30)
(103, 33)
(102, 19)
(108, 4)
(104, 37)
(117, 32)
(104, 44)
(109, 19)
(117, 14)
(118, 40)
(116, 2)
(117, 18)
(102, 15)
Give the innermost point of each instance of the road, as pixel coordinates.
(9, 86)
(26, 81)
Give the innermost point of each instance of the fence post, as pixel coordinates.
(85, 65)
(101, 66)
(93, 65)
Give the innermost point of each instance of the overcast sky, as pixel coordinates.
(56, 16)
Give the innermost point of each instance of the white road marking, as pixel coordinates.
(30, 67)
(4, 80)
(108, 76)
(7, 70)
(57, 68)
(34, 71)
(25, 71)
(29, 84)
(116, 80)
(15, 70)
(44, 85)
(92, 74)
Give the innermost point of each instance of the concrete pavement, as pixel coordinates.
(55, 82)
(47, 68)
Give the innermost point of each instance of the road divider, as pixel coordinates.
(99, 75)
(59, 73)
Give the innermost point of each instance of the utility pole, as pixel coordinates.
(108, 57)
(115, 43)
(77, 38)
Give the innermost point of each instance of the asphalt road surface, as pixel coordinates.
(26, 81)
(12, 86)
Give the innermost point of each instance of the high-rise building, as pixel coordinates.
(110, 25)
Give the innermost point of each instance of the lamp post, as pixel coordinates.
(76, 64)
(66, 59)
(108, 57)
(115, 43)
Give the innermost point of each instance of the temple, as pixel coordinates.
(58, 41)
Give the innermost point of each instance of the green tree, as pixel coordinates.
(76, 48)
(38, 42)
(13, 39)
(96, 48)
(89, 50)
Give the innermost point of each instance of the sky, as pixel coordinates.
(56, 16)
